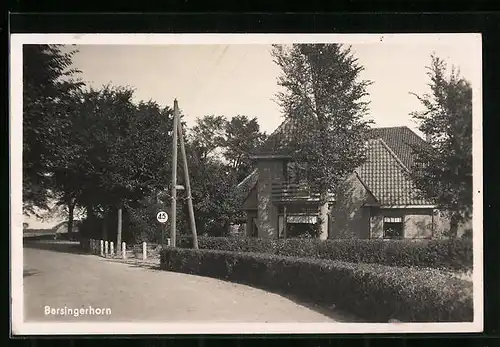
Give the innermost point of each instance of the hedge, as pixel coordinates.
(374, 292)
(446, 254)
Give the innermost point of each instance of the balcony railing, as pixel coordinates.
(293, 192)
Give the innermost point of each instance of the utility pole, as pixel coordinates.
(192, 221)
(174, 176)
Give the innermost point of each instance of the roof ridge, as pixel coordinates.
(398, 160)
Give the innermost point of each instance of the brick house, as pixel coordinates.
(376, 201)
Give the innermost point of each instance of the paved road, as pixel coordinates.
(137, 294)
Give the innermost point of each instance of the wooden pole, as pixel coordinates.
(174, 176)
(119, 233)
(192, 221)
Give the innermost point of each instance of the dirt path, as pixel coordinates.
(137, 292)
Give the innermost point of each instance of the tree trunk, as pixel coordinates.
(90, 230)
(453, 226)
(119, 232)
(104, 228)
(323, 215)
(71, 211)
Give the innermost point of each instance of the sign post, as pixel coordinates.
(162, 217)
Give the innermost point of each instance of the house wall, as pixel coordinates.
(349, 218)
(267, 212)
(417, 222)
(251, 214)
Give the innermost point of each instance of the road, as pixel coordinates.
(62, 278)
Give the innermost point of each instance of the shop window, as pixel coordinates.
(393, 228)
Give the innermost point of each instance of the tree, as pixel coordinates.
(111, 152)
(48, 80)
(242, 136)
(207, 135)
(443, 166)
(215, 177)
(325, 98)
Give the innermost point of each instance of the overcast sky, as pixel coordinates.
(241, 79)
(231, 79)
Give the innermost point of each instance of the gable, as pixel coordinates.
(385, 177)
(400, 140)
(250, 202)
(390, 154)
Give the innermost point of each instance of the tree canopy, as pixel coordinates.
(49, 81)
(324, 95)
(443, 168)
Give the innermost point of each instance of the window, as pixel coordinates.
(393, 228)
(297, 225)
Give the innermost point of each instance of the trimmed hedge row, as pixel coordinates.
(447, 254)
(371, 291)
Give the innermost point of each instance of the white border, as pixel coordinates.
(20, 328)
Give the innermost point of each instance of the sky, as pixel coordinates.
(241, 79)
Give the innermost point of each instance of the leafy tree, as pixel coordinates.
(48, 82)
(207, 136)
(214, 177)
(324, 97)
(112, 151)
(443, 167)
(242, 136)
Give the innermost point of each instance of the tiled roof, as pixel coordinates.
(400, 140)
(389, 155)
(383, 174)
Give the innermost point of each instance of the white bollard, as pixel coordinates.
(111, 248)
(144, 251)
(168, 242)
(102, 248)
(124, 250)
(106, 248)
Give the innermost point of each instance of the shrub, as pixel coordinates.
(447, 254)
(375, 292)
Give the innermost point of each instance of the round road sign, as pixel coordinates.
(162, 217)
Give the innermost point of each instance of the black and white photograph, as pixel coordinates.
(256, 183)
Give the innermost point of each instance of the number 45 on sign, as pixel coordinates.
(162, 217)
